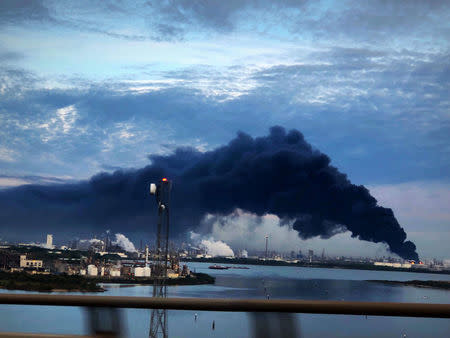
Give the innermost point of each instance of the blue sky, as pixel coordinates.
(87, 86)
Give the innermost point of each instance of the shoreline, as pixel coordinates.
(347, 266)
(46, 282)
(197, 279)
(443, 285)
(74, 283)
(40, 288)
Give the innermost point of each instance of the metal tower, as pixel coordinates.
(158, 319)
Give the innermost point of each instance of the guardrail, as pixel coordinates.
(94, 304)
(237, 305)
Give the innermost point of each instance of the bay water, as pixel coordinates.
(279, 282)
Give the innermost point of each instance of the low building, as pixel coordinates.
(30, 263)
(393, 265)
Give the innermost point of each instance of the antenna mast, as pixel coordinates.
(158, 319)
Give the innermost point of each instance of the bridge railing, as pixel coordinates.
(237, 305)
(231, 305)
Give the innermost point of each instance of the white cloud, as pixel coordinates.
(122, 133)
(62, 123)
(11, 182)
(7, 155)
(125, 130)
(67, 116)
(14, 181)
(201, 146)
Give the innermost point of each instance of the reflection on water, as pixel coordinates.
(158, 317)
(105, 322)
(257, 282)
(267, 325)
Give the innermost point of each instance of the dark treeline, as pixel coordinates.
(46, 282)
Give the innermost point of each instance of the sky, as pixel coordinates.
(90, 86)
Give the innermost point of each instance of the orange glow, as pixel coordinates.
(164, 179)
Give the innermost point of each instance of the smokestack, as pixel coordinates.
(49, 243)
(146, 256)
(267, 244)
(279, 174)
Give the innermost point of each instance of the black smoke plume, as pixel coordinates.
(279, 174)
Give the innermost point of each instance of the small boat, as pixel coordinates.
(219, 267)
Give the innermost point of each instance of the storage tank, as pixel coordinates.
(92, 270)
(141, 272)
(114, 273)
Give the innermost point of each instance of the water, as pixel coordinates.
(279, 282)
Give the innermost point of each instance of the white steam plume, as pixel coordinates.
(216, 248)
(242, 229)
(212, 247)
(86, 244)
(124, 243)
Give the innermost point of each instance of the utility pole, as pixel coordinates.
(158, 319)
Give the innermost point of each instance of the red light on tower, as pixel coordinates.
(164, 179)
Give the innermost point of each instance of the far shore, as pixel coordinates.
(304, 264)
(100, 289)
(445, 285)
(76, 283)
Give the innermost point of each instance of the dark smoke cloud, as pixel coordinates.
(279, 174)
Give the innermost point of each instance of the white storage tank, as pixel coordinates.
(141, 272)
(114, 272)
(92, 270)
